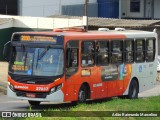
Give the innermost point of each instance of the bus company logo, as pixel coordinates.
(140, 68)
(21, 87)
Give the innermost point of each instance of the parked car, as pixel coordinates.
(158, 64)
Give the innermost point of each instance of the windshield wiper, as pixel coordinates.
(43, 53)
(25, 57)
(25, 60)
(23, 47)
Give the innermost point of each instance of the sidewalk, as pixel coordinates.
(152, 92)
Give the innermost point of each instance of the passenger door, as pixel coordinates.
(72, 61)
(88, 68)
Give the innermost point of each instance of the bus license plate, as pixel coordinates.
(31, 95)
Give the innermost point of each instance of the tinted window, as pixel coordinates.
(9, 7)
(116, 52)
(150, 50)
(102, 48)
(72, 58)
(135, 5)
(72, 53)
(129, 54)
(140, 51)
(88, 53)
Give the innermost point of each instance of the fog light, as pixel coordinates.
(53, 90)
(59, 87)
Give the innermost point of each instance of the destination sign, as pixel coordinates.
(20, 67)
(30, 38)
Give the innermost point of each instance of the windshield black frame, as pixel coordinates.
(24, 46)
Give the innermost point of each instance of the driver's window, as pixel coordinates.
(72, 50)
(72, 54)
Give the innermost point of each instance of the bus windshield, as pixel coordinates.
(37, 61)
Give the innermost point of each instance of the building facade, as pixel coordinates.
(136, 9)
(41, 8)
(148, 9)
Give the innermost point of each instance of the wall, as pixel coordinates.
(78, 10)
(108, 8)
(126, 10)
(156, 9)
(39, 8)
(73, 2)
(8, 7)
(42, 23)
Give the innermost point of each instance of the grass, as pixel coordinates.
(115, 104)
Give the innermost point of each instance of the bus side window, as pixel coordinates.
(150, 50)
(116, 52)
(88, 53)
(72, 54)
(140, 50)
(72, 57)
(102, 48)
(129, 51)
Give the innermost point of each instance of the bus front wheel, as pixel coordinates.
(34, 103)
(133, 90)
(82, 95)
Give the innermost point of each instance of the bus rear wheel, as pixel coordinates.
(34, 103)
(133, 90)
(82, 95)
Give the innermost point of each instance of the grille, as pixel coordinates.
(39, 80)
(37, 95)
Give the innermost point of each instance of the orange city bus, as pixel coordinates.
(68, 65)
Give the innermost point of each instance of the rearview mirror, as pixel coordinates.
(6, 51)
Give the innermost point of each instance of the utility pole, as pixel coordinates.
(86, 14)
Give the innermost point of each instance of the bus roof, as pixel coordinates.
(126, 33)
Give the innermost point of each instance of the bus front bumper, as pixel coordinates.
(57, 96)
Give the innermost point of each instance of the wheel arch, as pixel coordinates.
(136, 79)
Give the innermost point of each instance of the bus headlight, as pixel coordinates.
(56, 88)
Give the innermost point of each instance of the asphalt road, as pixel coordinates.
(9, 104)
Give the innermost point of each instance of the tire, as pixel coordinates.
(34, 103)
(133, 90)
(82, 95)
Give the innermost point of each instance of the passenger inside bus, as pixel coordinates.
(87, 53)
(102, 52)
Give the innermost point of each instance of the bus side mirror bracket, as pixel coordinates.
(6, 51)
